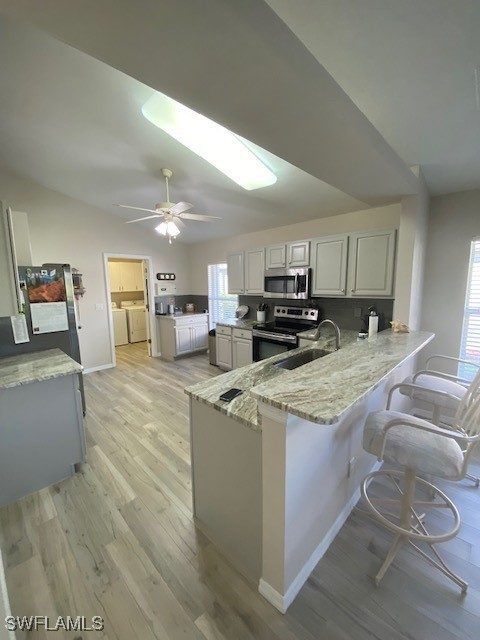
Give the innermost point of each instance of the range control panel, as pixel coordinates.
(306, 313)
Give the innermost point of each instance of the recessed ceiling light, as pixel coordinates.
(219, 146)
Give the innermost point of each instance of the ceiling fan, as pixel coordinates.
(170, 212)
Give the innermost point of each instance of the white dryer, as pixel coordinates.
(120, 332)
(136, 320)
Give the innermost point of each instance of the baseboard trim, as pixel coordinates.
(101, 367)
(272, 595)
(282, 602)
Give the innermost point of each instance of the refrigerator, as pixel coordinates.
(49, 305)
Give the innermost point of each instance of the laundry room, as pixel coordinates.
(127, 294)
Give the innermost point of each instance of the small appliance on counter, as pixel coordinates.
(190, 307)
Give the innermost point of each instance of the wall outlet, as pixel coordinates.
(357, 312)
(351, 466)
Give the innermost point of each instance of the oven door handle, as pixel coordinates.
(273, 336)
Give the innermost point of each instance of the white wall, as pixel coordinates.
(411, 251)
(454, 223)
(203, 254)
(68, 231)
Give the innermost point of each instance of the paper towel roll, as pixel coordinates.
(372, 325)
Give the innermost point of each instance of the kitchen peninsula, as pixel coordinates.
(277, 471)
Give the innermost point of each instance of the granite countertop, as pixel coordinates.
(35, 367)
(320, 391)
(240, 323)
(244, 407)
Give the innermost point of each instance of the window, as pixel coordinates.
(470, 346)
(221, 304)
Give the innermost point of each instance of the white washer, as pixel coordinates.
(136, 320)
(120, 332)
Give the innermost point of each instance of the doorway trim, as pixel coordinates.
(151, 300)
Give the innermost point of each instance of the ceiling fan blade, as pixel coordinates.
(126, 206)
(180, 207)
(157, 215)
(180, 224)
(198, 216)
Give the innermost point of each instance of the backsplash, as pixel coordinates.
(341, 310)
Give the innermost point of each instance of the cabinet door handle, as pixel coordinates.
(352, 290)
(343, 290)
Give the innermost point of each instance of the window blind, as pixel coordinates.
(470, 345)
(221, 304)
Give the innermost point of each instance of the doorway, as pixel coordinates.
(129, 294)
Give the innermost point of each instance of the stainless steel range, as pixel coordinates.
(280, 335)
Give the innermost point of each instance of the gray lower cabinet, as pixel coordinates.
(224, 347)
(42, 435)
(234, 347)
(182, 335)
(241, 348)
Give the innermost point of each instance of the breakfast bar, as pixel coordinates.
(277, 471)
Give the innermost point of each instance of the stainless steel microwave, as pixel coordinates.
(291, 283)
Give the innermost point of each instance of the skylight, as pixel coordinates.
(219, 146)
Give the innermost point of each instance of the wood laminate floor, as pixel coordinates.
(117, 540)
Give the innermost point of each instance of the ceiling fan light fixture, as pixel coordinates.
(216, 144)
(172, 229)
(162, 228)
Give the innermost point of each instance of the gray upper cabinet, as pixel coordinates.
(298, 254)
(293, 254)
(254, 271)
(236, 272)
(371, 263)
(329, 266)
(246, 271)
(276, 256)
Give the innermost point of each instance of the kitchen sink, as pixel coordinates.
(300, 359)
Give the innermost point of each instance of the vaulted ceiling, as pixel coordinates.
(338, 97)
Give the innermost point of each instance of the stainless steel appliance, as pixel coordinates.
(281, 335)
(63, 337)
(287, 283)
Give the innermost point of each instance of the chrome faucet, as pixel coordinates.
(336, 328)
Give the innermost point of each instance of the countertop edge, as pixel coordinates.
(69, 367)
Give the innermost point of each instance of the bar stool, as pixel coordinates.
(443, 395)
(432, 379)
(419, 448)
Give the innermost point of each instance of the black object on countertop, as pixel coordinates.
(381, 320)
(229, 395)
